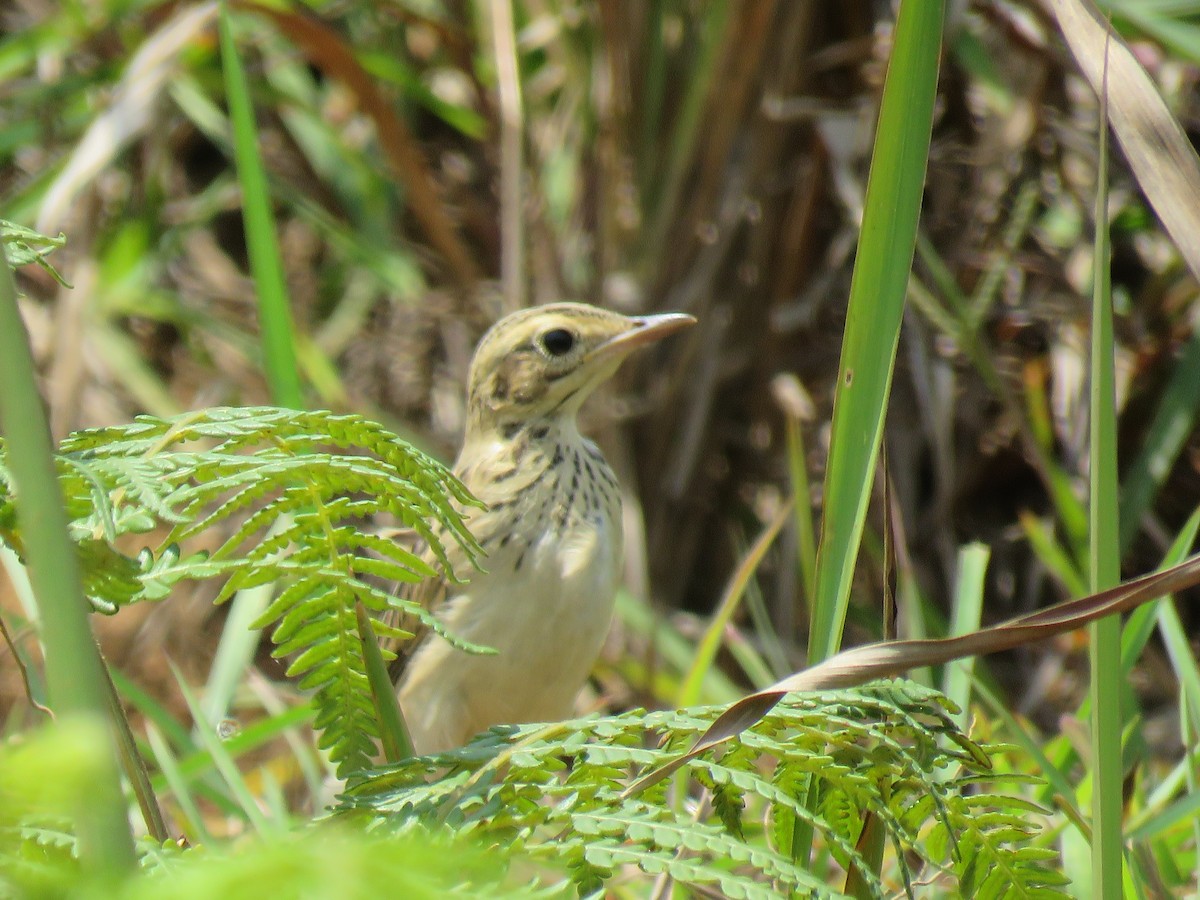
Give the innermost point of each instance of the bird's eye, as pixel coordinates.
(558, 341)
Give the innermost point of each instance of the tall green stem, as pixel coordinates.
(1104, 564)
(73, 668)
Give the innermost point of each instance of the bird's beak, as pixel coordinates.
(645, 330)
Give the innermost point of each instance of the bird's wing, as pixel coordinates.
(430, 593)
(486, 524)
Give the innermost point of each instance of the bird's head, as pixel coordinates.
(543, 362)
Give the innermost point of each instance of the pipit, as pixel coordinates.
(551, 530)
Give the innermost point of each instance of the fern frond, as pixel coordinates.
(290, 491)
(693, 853)
(889, 749)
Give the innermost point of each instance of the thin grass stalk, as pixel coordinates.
(23, 669)
(1174, 420)
(189, 817)
(1179, 649)
(512, 139)
(133, 764)
(262, 244)
(1030, 743)
(298, 738)
(1184, 811)
(762, 658)
(710, 643)
(1104, 562)
(74, 675)
(1193, 784)
(1142, 621)
(198, 767)
(806, 540)
(875, 310)
(958, 321)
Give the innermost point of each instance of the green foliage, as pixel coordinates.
(23, 246)
(40, 779)
(43, 776)
(889, 750)
(288, 492)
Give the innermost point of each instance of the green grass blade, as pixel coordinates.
(875, 309)
(710, 643)
(192, 824)
(796, 406)
(1058, 783)
(73, 667)
(1104, 562)
(966, 616)
(196, 765)
(1175, 636)
(262, 244)
(663, 197)
(206, 733)
(1185, 810)
(660, 676)
(1058, 561)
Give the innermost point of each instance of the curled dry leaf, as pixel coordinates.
(888, 658)
(1159, 153)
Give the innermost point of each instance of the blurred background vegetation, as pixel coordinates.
(434, 164)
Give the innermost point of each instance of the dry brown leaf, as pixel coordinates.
(889, 658)
(1159, 153)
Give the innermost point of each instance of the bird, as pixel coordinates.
(549, 526)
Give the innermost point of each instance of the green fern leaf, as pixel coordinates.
(287, 493)
(883, 749)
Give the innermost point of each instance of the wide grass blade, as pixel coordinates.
(875, 310)
(393, 730)
(235, 650)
